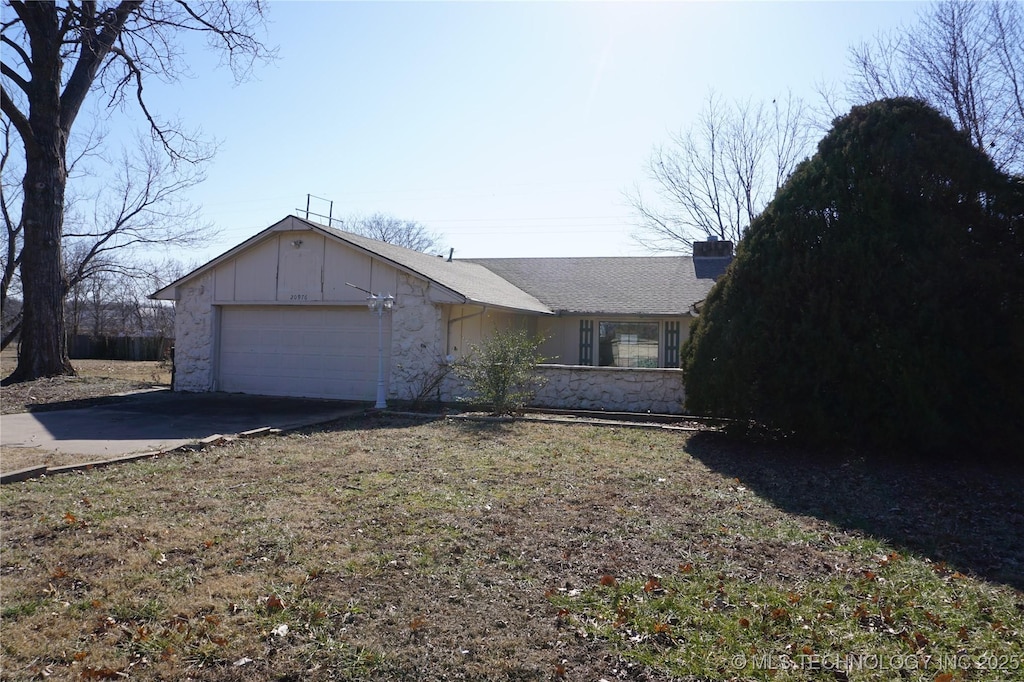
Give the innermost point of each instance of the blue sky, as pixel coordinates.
(512, 129)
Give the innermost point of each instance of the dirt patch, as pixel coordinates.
(96, 379)
(18, 458)
(15, 459)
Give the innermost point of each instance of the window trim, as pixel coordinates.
(682, 324)
(658, 327)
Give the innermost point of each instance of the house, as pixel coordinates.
(285, 313)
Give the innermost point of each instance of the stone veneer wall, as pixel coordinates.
(417, 339)
(194, 336)
(616, 389)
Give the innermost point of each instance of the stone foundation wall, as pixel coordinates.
(194, 336)
(615, 389)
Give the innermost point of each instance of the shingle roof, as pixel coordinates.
(662, 285)
(470, 280)
(657, 285)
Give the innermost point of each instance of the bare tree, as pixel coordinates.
(137, 209)
(386, 228)
(964, 58)
(141, 208)
(712, 179)
(111, 47)
(12, 172)
(112, 303)
(10, 198)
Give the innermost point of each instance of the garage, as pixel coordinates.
(286, 313)
(312, 351)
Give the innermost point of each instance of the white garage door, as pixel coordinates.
(314, 351)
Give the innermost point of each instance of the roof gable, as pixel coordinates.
(469, 282)
(654, 285)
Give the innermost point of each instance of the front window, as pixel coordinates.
(628, 344)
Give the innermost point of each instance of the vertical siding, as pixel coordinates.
(300, 267)
(468, 325)
(383, 278)
(317, 270)
(343, 265)
(256, 273)
(224, 282)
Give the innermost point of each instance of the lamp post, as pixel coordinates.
(378, 303)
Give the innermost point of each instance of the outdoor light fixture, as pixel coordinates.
(296, 243)
(378, 303)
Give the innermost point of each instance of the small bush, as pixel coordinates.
(501, 371)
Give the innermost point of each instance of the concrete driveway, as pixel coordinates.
(159, 420)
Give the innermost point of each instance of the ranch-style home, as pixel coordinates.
(285, 313)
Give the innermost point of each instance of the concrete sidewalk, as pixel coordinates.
(157, 421)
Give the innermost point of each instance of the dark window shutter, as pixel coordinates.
(671, 344)
(586, 342)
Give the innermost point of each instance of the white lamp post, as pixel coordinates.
(378, 303)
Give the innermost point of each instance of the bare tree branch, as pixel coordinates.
(964, 58)
(712, 179)
(94, 48)
(386, 228)
(12, 332)
(17, 118)
(112, 300)
(140, 208)
(1007, 35)
(12, 227)
(14, 75)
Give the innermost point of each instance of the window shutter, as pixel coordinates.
(671, 344)
(586, 342)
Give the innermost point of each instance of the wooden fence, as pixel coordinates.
(82, 347)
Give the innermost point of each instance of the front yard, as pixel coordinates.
(384, 548)
(96, 379)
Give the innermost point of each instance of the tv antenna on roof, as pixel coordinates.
(330, 210)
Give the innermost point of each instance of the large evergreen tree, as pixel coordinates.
(879, 299)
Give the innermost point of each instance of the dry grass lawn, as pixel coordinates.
(385, 548)
(96, 378)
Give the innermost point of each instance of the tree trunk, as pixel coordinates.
(44, 347)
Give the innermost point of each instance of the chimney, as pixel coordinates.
(712, 248)
(711, 258)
